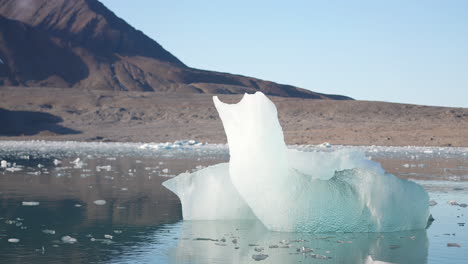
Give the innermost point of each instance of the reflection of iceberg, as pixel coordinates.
(396, 247)
(296, 191)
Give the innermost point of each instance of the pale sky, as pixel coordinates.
(397, 51)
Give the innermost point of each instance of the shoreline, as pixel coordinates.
(93, 116)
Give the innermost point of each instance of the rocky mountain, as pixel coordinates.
(82, 44)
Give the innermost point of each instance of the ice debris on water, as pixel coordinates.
(77, 163)
(100, 202)
(453, 245)
(3, 164)
(258, 257)
(69, 240)
(103, 168)
(13, 169)
(30, 203)
(48, 231)
(108, 237)
(13, 240)
(57, 162)
(180, 144)
(370, 260)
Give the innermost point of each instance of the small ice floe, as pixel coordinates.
(344, 242)
(258, 257)
(138, 161)
(100, 202)
(57, 162)
(40, 166)
(78, 205)
(77, 163)
(325, 145)
(369, 260)
(13, 169)
(259, 249)
(31, 203)
(117, 231)
(453, 245)
(108, 236)
(432, 203)
(205, 239)
(166, 170)
(304, 250)
(317, 256)
(103, 168)
(69, 240)
(111, 158)
(124, 189)
(13, 240)
(4, 164)
(48, 231)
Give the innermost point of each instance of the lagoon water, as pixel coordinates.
(108, 196)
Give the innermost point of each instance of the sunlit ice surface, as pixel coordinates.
(141, 221)
(295, 191)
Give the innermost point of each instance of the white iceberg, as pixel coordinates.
(208, 194)
(293, 191)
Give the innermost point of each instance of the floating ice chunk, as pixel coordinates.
(258, 257)
(369, 260)
(325, 145)
(30, 203)
(208, 194)
(57, 162)
(100, 202)
(13, 240)
(3, 164)
(48, 231)
(78, 205)
(453, 245)
(166, 170)
(108, 236)
(69, 240)
(13, 169)
(103, 168)
(77, 163)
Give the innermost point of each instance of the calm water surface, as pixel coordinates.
(112, 202)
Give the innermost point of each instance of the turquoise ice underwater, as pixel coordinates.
(293, 191)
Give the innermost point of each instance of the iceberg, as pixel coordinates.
(294, 191)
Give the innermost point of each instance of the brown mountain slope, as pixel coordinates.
(82, 44)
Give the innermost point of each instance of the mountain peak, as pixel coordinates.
(82, 44)
(87, 23)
